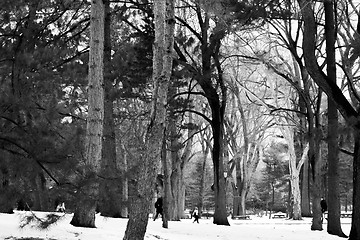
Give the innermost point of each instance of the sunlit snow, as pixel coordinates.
(111, 229)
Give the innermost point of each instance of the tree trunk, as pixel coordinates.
(147, 171)
(355, 221)
(84, 215)
(181, 200)
(294, 170)
(205, 150)
(220, 215)
(167, 197)
(334, 225)
(305, 185)
(7, 199)
(110, 185)
(315, 156)
(125, 186)
(240, 192)
(41, 193)
(243, 202)
(179, 162)
(295, 190)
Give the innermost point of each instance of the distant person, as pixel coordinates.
(158, 207)
(323, 205)
(195, 215)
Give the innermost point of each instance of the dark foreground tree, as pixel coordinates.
(333, 223)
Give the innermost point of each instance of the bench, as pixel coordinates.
(342, 215)
(243, 217)
(279, 216)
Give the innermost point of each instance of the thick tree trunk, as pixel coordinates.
(334, 225)
(110, 186)
(239, 207)
(242, 206)
(295, 174)
(220, 215)
(295, 190)
(162, 67)
(7, 198)
(167, 197)
(315, 156)
(84, 215)
(305, 186)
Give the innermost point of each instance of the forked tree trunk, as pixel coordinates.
(84, 215)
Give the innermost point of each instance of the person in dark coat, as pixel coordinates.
(323, 205)
(158, 207)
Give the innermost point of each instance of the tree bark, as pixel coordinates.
(167, 197)
(305, 196)
(295, 172)
(125, 185)
(217, 104)
(147, 171)
(333, 223)
(84, 215)
(110, 185)
(220, 215)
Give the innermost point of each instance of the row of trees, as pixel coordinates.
(104, 138)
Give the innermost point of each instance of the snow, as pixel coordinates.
(111, 229)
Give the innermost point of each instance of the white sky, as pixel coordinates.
(111, 229)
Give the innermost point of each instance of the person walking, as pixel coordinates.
(323, 206)
(158, 207)
(195, 215)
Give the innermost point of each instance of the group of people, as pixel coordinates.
(159, 210)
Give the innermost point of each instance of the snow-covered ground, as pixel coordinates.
(111, 229)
